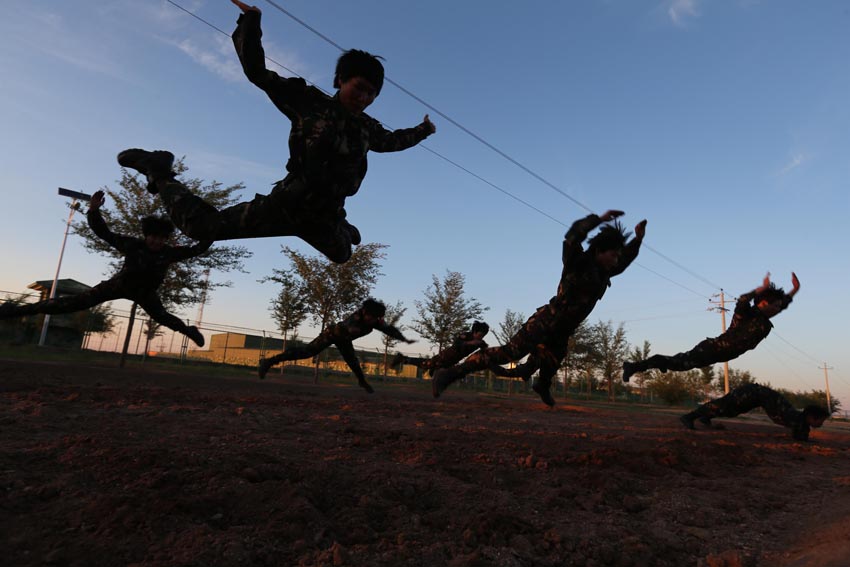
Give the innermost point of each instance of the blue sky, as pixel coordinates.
(725, 124)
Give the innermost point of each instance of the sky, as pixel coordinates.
(725, 124)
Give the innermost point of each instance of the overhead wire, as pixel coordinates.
(488, 145)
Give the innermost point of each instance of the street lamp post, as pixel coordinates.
(75, 206)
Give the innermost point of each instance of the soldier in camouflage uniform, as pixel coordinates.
(328, 142)
(751, 396)
(585, 277)
(750, 325)
(146, 262)
(462, 345)
(359, 324)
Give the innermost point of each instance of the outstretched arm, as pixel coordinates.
(392, 332)
(796, 283)
(383, 140)
(247, 39)
(183, 252)
(580, 229)
(245, 7)
(631, 250)
(98, 225)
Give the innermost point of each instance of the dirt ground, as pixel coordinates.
(101, 466)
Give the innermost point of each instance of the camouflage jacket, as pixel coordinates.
(583, 282)
(355, 326)
(327, 143)
(749, 325)
(778, 409)
(143, 268)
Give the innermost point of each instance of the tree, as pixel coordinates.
(328, 290)
(583, 356)
(635, 355)
(613, 349)
(289, 308)
(446, 310)
(508, 327)
(392, 317)
(187, 282)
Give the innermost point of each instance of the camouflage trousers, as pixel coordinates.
(740, 400)
(317, 345)
(101, 293)
(277, 214)
(709, 351)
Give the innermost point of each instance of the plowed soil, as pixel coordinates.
(101, 466)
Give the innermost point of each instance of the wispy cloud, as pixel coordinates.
(680, 11)
(796, 161)
(217, 56)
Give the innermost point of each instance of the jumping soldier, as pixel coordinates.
(146, 263)
(585, 277)
(750, 325)
(463, 344)
(368, 317)
(328, 142)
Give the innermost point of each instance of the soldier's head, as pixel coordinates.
(480, 329)
(771, 301)
(607, 245)
(373, 310)
(815, 415)
(359, 77)
(157, 231)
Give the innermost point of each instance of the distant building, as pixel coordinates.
(246, 350)
(65, 330)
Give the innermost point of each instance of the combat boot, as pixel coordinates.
(264, 366)
(194, 334)
(397, 361)
(628, 370)
(365, 385)
(442, 378)
(542, 388)
(154, 165)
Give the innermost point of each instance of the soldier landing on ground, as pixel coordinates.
(751, 396)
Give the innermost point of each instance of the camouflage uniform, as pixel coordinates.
(749, 327)
(327, 163)
(142, 273)
(582, 284)
(751, 396)
(462, 345)
(340, 335)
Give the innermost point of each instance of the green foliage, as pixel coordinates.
(802, 399)
(289, 308)
(393, 317)
(331, 291)
(612, 348)
(187, 283)
(446, 310)
(509, 326)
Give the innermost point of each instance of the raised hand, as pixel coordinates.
(611, 215)
(640, 229)
(97, 200)
(245, 7)
(430, 125)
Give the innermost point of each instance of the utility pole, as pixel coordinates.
(826, 377)
(75, 206)
(721, 306)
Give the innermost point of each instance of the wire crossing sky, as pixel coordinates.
(726, 126)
